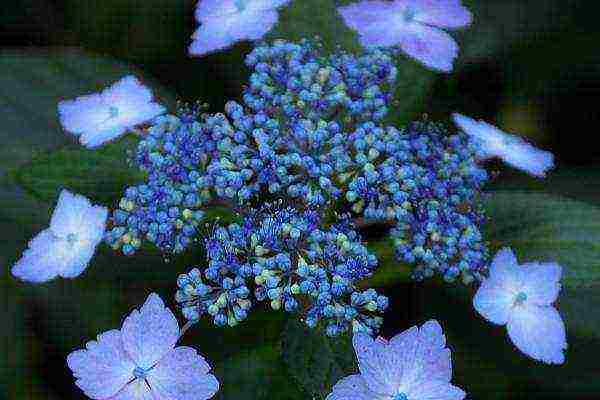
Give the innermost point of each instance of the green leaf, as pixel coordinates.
(100, 174)
(34, 81)
(316, 361)
(548, 228)
(256, 375)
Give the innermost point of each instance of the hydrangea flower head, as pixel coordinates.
(225, 22)
(493, 142)
(67, 246)
(413, 25)
(413, 365)
(100, 117)
(521, 297)
(140, 361)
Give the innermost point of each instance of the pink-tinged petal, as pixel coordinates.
(39, 263)
(362, 15)
(436, 390)
(352, 387)
(541, 282)
(432, 47)
(431, 359)
(83, 113)
(136, 390)
(449, 14)
(494, 302)
(150, 333)
(103, 368)
(182, 374)
(538, 332)
(373, 363)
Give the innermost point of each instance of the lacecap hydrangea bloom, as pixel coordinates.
(416, 26)
(513, 150)
(67, 246)
(521, 297)
(413, 365)
(226, 22)
(100, 117)
(291, 260)
(309, 129)
(140, 361)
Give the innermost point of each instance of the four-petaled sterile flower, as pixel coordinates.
(67, 246)
(413, 365)
(492, 142)
(521, 297)
(140, 361)
(414, 25)
(225, 22)
(100, 117)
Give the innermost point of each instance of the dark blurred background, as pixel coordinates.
(530, 66)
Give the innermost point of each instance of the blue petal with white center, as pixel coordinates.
(66, 248)
(101, 117)
(226, 22)
(521, 297)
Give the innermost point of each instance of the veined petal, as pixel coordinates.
(538, 332)
(103, 368)
(431, 360)
(96, 138)
(541, 282)
(182, 374)
(136, 390)
(352, 387)
(494, 302)
(441, 13)
(373, 363)
(150, 333)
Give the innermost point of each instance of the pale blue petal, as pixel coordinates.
(541, 282)
(449, 14)
(431, 360)
(432, 47)
(539, 332)
(436, 390)
(136, 390)
(182, 374)
(39, 263)
(103, 368)
(494, 302)
(373, 363)
(150, 333)
(352, 387)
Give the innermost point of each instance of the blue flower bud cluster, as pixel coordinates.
(309, 131)
(167, 209)
(292, 262)
(428, 184)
